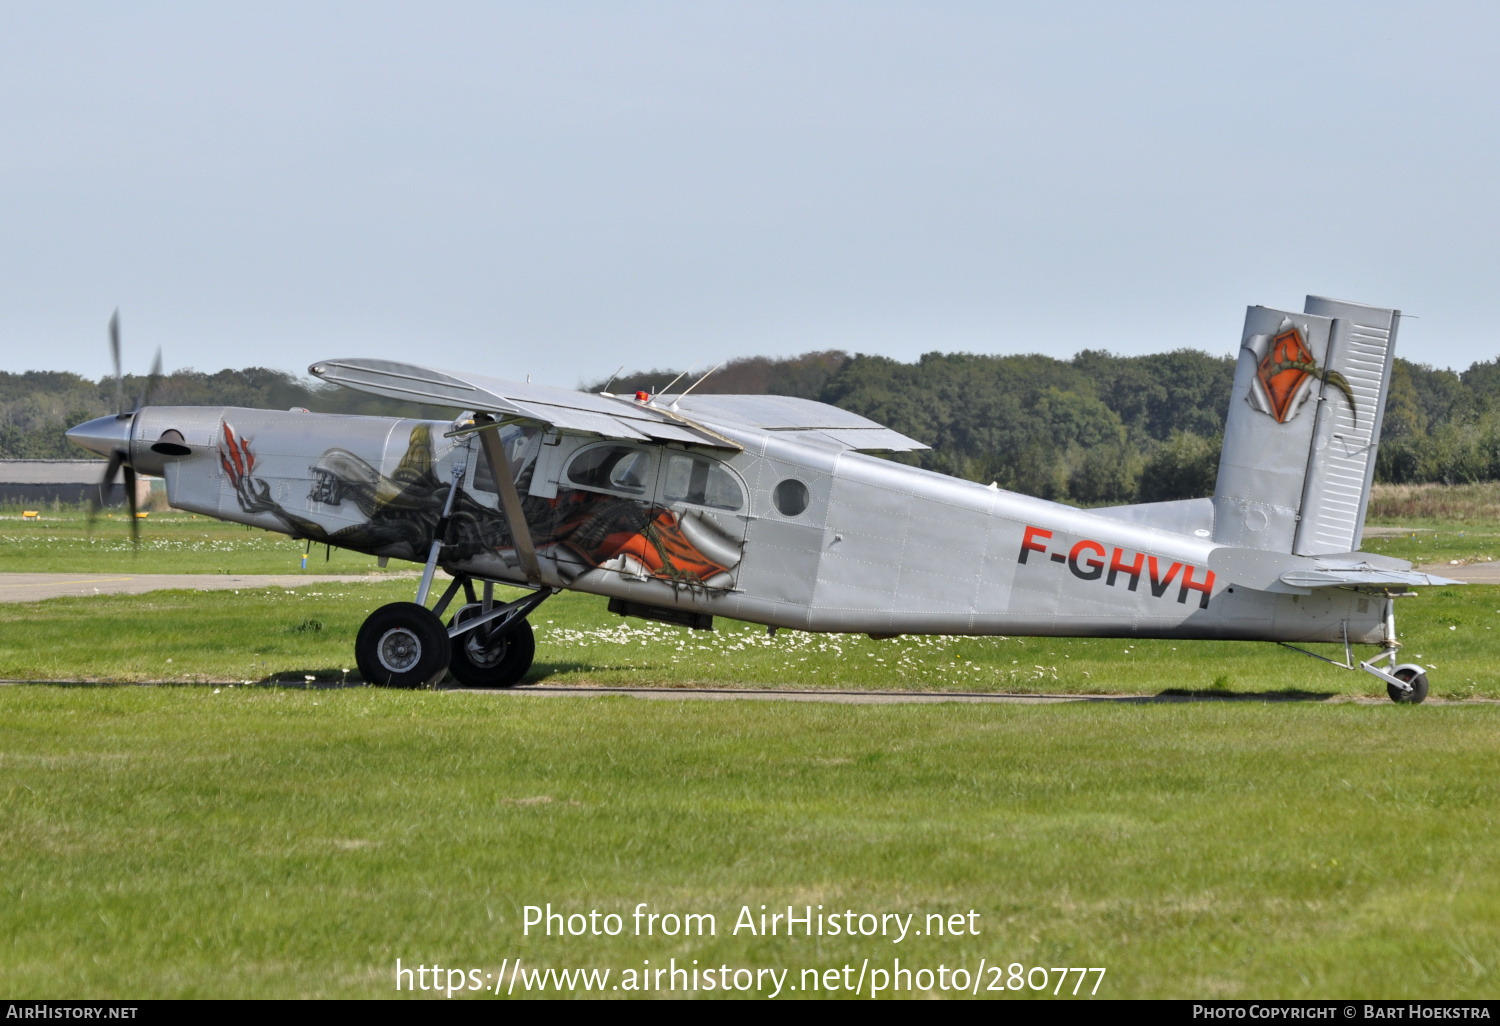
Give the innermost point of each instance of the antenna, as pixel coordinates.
(695, 384)
(611, 381)
(678, 378)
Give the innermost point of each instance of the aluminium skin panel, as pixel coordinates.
(881, 547)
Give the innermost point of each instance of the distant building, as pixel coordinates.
(40, 482)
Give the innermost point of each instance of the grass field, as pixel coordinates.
(292, 841)
(266, 842)
(1428, 505)
(60, 541)
(265, 635)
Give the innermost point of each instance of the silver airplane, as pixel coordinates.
(682, 507)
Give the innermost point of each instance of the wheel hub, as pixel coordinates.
(399, 649)
(484, 655)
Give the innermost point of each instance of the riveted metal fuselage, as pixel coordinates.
(876, 547)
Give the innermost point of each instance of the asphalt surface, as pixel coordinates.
(35, 587)
(1469, 573)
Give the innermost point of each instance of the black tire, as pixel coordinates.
(493, 662)
(402, 645)
(1412, 675)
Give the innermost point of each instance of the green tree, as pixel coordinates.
(1185, 467)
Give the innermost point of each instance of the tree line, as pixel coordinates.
(1096, 429)
(36, 407)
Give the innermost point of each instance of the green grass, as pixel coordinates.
(182, 841)
(171, 543)
(1427, 545)
(270, 634)
(1442, 522)
(284, 842)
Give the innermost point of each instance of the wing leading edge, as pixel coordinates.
(512, 400)
(695, 420)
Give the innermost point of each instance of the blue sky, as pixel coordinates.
(555, 189)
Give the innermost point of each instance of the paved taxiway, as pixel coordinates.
(1469, 573)
(36, 587)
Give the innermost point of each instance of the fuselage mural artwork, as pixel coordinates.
(578, 529)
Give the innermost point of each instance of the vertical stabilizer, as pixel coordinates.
(1304, 417)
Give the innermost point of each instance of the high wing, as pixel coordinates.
(802, 419)
(511, 400)
(695, 420)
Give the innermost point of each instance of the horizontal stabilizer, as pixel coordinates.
(1282, 572)
(1360, 576)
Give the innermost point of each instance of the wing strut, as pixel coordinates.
(510, 499)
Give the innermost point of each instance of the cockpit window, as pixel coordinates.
(618, 468)
(702, 482)
(519, 452)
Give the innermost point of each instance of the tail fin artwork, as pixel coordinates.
(1303, 426)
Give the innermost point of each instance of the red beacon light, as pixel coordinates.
(643, 397)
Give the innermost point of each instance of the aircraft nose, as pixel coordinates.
(102, 435)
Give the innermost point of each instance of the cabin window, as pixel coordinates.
(618, 468)
(702, 482)
(517, 442)
(791, 497)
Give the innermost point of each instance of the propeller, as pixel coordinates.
(114, 350)
(151, 381)
(119, 458)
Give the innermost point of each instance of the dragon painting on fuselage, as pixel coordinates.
(402, 511)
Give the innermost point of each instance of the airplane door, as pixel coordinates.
(707, 502)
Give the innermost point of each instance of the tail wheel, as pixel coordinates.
(402, 645)
(491, 661)
(1413, 675)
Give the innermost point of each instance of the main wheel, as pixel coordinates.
(498, 661)
(1413, 675)
(402, 645)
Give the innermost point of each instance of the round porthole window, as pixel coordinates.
(790, 497)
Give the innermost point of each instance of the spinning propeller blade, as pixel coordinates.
(135, 523)
(151, 381)
(121, 428)
(100, 495)
(114, 350)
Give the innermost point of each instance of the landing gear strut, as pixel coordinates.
(406, 645)
(484, 645)
(490, 659)
(1405, 683)
(493, 645)
(1415, 680)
